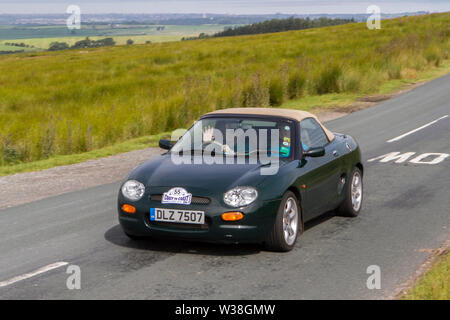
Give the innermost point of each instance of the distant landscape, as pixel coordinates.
(274, 25)
(177, 18)
(40, 37)
(37, 32)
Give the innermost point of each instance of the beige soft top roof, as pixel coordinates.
(298, 115)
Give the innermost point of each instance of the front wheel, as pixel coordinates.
(351, 206)
(288, 225)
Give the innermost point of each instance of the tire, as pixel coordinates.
(278, 240)
(351, 206)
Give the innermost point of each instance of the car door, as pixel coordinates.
(319, 175)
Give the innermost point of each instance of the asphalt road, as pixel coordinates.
(406, 210)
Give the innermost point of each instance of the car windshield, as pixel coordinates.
(238, 136)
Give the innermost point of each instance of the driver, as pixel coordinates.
(208, 137)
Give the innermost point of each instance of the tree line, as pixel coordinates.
(14, 44)
(82, 44)
(275, 25)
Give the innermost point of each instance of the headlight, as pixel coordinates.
(240, 196)
(133, 190)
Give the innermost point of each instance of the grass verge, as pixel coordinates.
(435, 284)
(61, 160)
(346, 101)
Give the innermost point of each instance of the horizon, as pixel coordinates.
(224, 14)
(231, 7)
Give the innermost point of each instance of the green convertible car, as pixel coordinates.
(244, 175)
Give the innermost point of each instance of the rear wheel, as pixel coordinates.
(351, 206)
(288, 225)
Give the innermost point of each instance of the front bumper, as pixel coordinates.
(258, 221)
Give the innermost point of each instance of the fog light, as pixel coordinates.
(232, 216)
(128, 208)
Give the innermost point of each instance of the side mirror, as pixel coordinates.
(315, 152)
(165, 144)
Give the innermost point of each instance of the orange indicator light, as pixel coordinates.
(232, 216)
(128, 208)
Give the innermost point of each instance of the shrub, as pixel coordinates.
(88, 43)
(256, 95)
(276, 92)
(349, 81)
(296, 85)
(433, 56)
(58, 46)
(328, 81)
(9, 152)
(394, 71)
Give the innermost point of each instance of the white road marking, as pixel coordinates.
(403, 157)
(415, 130)
(33, 273)
(439, 157)
(397, 156)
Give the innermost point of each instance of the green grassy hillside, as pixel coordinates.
(55, 103)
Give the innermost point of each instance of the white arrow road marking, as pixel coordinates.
(397, 156)
(33, 273)
(439, 157)
(415, 130)
(402, 157)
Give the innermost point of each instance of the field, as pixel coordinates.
(70, 102)
(41, 36)
(44, 43)
(13, 48)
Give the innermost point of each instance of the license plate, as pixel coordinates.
(177, 216)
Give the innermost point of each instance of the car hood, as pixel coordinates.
(163, 172)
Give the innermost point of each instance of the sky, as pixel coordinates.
(222, 6)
